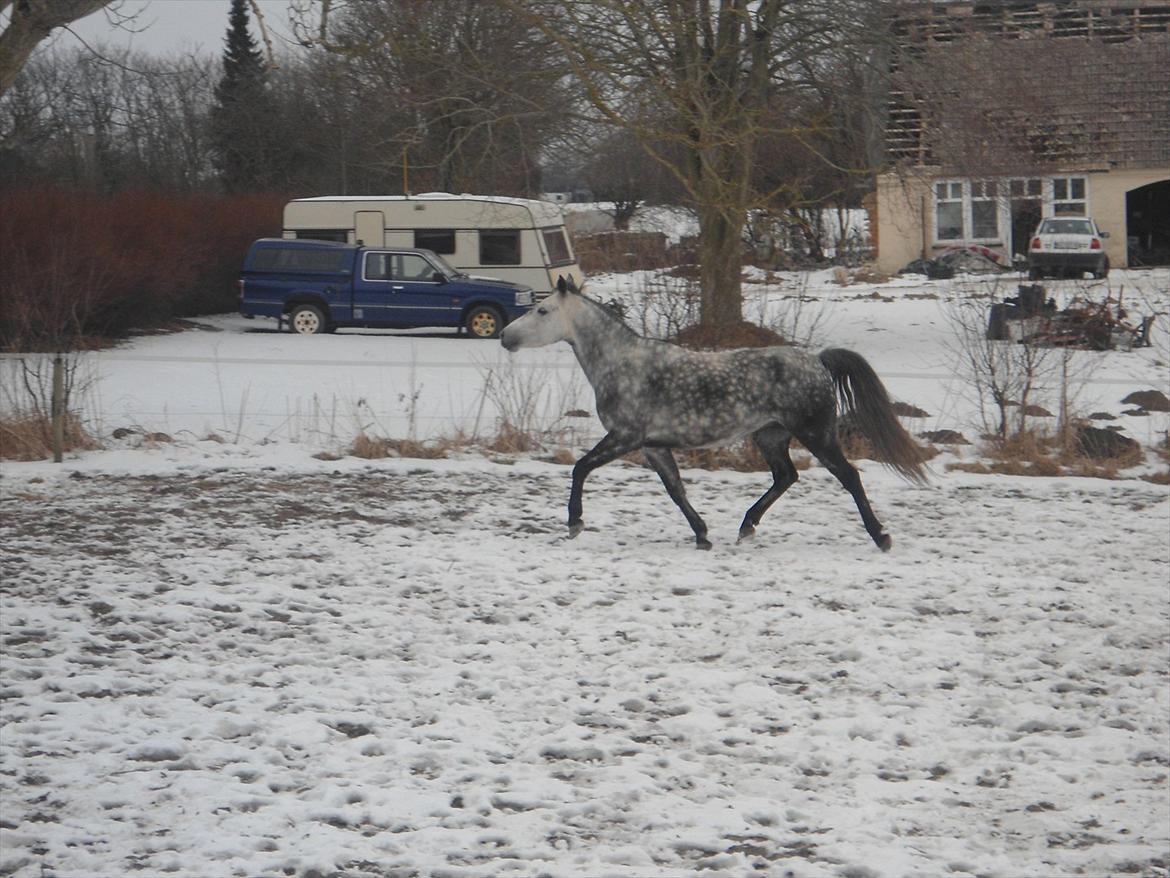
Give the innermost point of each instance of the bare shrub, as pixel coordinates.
(26, 408)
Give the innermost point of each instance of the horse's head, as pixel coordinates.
(549, 321)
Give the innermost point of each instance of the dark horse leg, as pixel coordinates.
(611, 447)
(662, 460)
(773, 444)
(827, 450)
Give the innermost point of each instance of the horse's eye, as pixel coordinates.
(542, 310)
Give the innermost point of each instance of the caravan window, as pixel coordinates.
(499, 247)
(557, 246)
(435, 240)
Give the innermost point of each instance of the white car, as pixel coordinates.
(1067, 245)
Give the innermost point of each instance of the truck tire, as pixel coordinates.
(484, 321)
(307, 320)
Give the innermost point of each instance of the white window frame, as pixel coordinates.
(978, 190)
(950, 198)
(1067, 197)
(969, 192)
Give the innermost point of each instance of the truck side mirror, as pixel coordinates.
(439, 277)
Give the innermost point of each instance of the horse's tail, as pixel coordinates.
(864, 398)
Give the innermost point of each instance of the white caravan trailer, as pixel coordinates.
(516, 239)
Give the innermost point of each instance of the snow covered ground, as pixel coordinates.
(226, 657)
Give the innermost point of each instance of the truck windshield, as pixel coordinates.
(443, 265)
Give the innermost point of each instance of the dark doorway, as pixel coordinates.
(1147, 224)
(1026, 213)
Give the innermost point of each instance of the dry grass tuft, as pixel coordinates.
(29, 436)
(378, 448)
(510, 439)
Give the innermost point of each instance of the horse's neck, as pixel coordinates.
(605, 345)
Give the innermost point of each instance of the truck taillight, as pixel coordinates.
(1096, 245)
(1035, 244)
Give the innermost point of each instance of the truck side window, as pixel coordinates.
(411, 266)
(377, 266)
(499, 247)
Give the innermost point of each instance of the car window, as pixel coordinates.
(377, 266)
(1066, 227)
(411, 266)
(291, 259)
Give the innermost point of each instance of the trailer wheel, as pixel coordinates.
(307, 320)
(483, 321)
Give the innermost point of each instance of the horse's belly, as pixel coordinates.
(708, 430)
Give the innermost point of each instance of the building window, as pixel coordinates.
(984, 210)
(948, 211)
(441, 241)
(1031, 188)
(499, 248)
(1068, 196)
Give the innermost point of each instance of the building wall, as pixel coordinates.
(905, 214)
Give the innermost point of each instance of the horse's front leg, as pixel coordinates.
(662, 460)
(611, 447)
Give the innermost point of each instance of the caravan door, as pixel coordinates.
(369, 227)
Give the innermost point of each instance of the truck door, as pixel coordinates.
(369, 227)
(400, 289)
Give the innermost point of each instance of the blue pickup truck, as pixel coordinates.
(320, 286)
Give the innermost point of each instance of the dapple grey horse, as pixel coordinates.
(656, 396)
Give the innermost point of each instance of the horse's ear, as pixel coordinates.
(571, 285)
(561, 285)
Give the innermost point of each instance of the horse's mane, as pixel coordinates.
(612, 315)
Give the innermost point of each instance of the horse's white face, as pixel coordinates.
(548, 322)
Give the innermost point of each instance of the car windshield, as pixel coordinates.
(443, 265)
(1066, 227)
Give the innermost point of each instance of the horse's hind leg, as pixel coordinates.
(773, 445)
(662, 460)
(828, 451)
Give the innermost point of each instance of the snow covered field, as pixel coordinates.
(228, 657)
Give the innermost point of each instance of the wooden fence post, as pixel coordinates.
(58, 408)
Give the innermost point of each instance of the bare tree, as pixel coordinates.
(30, 22)
(474, 92)
(713, 69)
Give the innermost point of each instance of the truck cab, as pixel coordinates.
(320, 286)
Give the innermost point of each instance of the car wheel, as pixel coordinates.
(484, 321)
(307, 320)
(1102, 270)
(1035, 274)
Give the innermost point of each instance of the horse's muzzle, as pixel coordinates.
(509, 344)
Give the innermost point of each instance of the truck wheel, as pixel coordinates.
(484, 321)
(307, 320)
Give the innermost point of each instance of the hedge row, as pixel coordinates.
(78, 265)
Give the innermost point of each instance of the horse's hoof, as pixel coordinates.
(746, 533)
(702, 543)
(884, 542)
(575, 528)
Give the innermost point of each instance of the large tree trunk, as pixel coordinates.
(32, 21)
(721, 266)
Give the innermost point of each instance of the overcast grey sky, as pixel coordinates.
(166, 27)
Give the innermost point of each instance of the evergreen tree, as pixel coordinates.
(241, 118)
